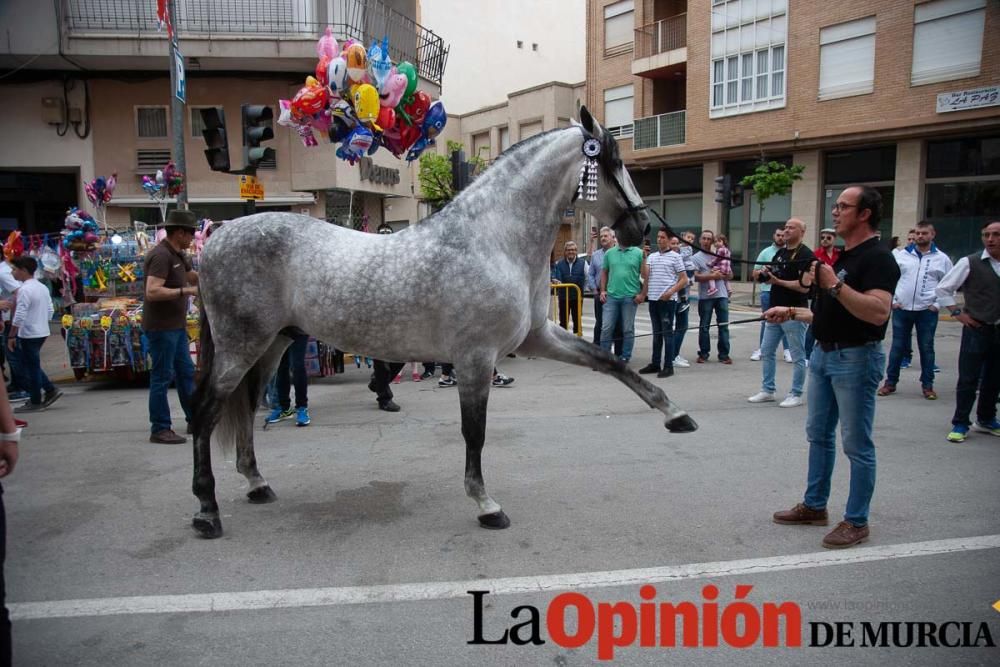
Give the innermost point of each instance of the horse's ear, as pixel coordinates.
(589, 123)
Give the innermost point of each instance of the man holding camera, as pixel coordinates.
(850, 316)
(787, 290)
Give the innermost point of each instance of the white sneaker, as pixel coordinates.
(681, 362)
(761, 397)
(791, 401)
(788, 357)
(755, 355)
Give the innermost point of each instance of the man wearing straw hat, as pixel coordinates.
(170, 280)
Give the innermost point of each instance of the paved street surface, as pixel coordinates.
(367, 556)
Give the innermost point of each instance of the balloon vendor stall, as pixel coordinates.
(361, 100)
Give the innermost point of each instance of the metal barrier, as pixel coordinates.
(579, 304)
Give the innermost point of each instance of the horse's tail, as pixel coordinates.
(232, 413)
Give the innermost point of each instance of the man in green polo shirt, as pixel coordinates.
(621, 293)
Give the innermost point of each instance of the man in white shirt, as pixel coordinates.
(28, 332)
(921, 267)
(665, 278)
(8, 285)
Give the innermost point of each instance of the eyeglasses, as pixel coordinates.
(841, 206)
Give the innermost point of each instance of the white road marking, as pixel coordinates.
(321, 597)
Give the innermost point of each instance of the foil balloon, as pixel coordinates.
(386, 117)
(407, 69)
(435, 120)
(303, 129)
(336, 75)
(322, 72)
(379, 65)
(310, 100)
(356, 144)
(339, 128)
(400, 137)
(357, 63)
(365, 100)
(326, 47)
(414, 112)
(392, 89)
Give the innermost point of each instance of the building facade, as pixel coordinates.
(902, 95)
(93, 94)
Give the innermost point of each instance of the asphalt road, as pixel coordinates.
(368, 553)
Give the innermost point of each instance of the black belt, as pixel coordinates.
(830, 347)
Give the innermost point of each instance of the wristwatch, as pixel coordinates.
(835, 290)
(955, 312)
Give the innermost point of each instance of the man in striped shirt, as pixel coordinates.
(665, 278)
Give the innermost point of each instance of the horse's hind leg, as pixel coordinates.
(553, 342)
(474, 392)
(246, 462)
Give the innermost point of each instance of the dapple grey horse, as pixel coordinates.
(467, 285)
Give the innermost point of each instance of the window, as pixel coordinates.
(947, 40)
(504, 138)
(748, 56)
(619, 23)
(847, 59)
(151, 122)
(618, 110)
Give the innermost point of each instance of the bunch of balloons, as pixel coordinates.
(362, 100)
(168, 182)
(99, 193)
(81, 231)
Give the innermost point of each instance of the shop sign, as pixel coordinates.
(376, 174)
(251, 188)
(963, 100)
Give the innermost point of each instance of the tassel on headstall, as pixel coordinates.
(587, 188)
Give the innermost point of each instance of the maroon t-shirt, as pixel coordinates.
(166, 263)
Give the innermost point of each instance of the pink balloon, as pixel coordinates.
(393, 89)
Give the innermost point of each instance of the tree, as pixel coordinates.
(436, 185)
(770, 179)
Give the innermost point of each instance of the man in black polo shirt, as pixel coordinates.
(791, 261)
(169, 282)
(849, 318)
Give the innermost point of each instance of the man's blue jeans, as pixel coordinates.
(171, 361)
(721, 307)
(903, 322)
(661, 316)
(619, 309)
(765, 304)
(794, 333)
(842, 385)
(30, 362)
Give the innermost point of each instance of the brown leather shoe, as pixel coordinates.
(845, 535)
(167, 437)
(887, 389)
(930, 394)
(801, 515)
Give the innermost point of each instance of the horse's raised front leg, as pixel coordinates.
(473, 394)
(552, 342)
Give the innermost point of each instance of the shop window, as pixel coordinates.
(976, 156)
(863, 165)
(646, 182)
(682, 180)
(847, 59)
(958, 211)
(947, 40)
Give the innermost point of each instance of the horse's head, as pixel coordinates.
(617, 202)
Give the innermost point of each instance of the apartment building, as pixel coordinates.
(88, 90)
(900, 94)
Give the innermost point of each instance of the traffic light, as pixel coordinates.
(736, 196)
(256, 128)
(724, 190)
(217, 151)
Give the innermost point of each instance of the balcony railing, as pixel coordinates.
(662, 36)
(363, 20)
(667, 129)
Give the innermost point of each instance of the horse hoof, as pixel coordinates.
(494, 520)
(209, 527)
(682, 424)
(261, 495)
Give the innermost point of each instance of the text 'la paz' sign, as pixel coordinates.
(251, 188)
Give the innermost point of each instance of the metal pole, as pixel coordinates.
(177, 112)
